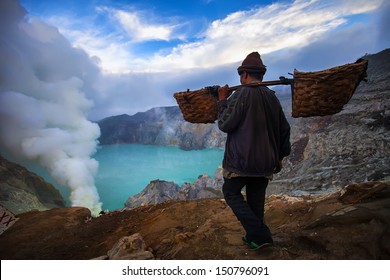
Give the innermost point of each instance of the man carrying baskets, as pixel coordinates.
(258, 138)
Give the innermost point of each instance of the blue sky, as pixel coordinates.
(144, 51)
(121, 32)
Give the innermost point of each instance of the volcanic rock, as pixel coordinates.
(22, 190)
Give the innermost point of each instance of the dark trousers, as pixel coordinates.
(249, 212)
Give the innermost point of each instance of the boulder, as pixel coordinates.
(130, 248)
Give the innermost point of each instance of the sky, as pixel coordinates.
(66, 64)
(147, 50)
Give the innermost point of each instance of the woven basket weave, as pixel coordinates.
(199, 106)
(326, 92)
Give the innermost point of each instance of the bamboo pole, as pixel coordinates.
(282, 81)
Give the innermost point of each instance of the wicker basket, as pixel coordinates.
(313, 93)
(326, 92)
(199, 106)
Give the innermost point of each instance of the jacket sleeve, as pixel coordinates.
(230, 113)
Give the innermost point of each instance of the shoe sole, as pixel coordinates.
(257, 247)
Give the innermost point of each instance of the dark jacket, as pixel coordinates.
(258, 132)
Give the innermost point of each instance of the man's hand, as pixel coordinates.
(223, 92)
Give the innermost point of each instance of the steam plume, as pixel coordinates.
(42, 103)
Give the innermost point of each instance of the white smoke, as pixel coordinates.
(42, 103)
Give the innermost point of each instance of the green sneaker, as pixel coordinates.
(256, 246)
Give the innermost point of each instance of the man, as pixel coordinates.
(257, 141)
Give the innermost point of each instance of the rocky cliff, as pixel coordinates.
(22, 191)
(351, 146)
(162, 126)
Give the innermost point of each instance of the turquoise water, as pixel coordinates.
(126, 169)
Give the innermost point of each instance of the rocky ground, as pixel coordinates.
(353, 223)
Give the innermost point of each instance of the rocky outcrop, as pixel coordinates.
(354, 145)
(204, 187)
(22, 190)
(159, 191)
(162, 126)
(350, 224)
(155, 192)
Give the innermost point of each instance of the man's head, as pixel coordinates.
(252, 66)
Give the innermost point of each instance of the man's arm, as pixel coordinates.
(229, 111)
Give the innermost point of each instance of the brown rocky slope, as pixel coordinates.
(22, 190)
(353, 223)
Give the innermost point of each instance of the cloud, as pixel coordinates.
(305, 35)
(267, 29)
(43, 106)
(137, 92)
(308, 35)
(120, 78)
(139, 31)
(121, 43)
(383, 26)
